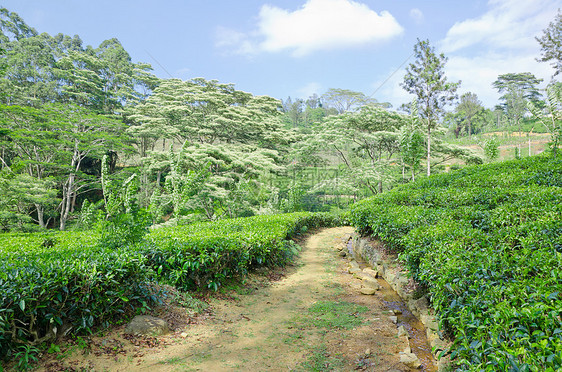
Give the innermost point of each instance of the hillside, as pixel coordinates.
(486, 243)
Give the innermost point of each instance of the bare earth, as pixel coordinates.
(273, 327)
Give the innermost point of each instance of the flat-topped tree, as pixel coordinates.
(517, 89)
(425, 78)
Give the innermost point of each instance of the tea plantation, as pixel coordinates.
(486, 243)
(69, 281)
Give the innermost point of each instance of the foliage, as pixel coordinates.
(469, 107)
(487, 243)
(204, 254)
(551, 117)
(52, 281)
(551, 44)
(491, 148)
(517, 89)
(425, 78)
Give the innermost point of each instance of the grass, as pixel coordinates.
(332, 314)
(320, 360)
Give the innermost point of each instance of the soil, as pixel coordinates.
(311, 318)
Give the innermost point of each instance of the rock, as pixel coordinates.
(183, 335)
(410, 360)
(402, 332)
(354, 264)
(368, 290)
(354, 270)
(368, 352)
(371, 272)
(343, 253)
(396, 311)
(422, 304)
(147, 325)
(393, 319)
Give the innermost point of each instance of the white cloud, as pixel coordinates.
(229, 39)
(416, 15)
(507, 24)
(309, 89)
(478, 73)
(317, 25)
(500, 41)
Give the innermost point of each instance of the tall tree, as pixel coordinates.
(517, 89)
(469, 106)
(425, 78)
(551, 116)
(551, 44)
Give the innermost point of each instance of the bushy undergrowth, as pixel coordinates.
(74, 279)
(487, 243)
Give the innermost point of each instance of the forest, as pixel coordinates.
(193, 182)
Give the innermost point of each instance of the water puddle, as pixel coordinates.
(416, 330)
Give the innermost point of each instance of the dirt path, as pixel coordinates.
(312, 319)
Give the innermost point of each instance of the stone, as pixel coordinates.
(343, 253)
(371, 272)
(354, 264)
(396, 311)
(422, 304)
(147, 325)
(402, 332)
(368, 352)
(354, 270)
(183, 335)
(393, 319)
(410, 360)
(368, 290)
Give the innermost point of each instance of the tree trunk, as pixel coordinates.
(68, 190)
(40, 215)
(67, 200)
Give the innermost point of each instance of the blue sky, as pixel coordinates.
(295, 48)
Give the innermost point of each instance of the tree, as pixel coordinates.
(364, 142)
(551, 44)
(425, 78)
(551, 116)
(31, 144)
(344, 100)
(517, 89)
(523, 82)
(86, 134)
(469, 107)
(412, 141)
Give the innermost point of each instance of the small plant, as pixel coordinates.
(25, 356)
(492, 148)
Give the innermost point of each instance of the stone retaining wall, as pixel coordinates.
(371, 252)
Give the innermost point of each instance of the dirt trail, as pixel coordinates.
(312, 319)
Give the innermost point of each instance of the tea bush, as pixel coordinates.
(487, 243)
(75, 280)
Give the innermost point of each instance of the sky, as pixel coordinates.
(296, 48)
